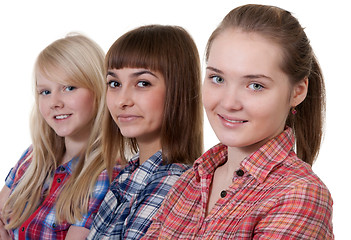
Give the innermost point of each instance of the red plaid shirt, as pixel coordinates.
(42, 224)
(274, 195)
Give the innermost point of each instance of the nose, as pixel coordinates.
(125, 98)
(232, 99)
(56, 101)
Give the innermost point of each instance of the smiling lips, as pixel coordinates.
(232, 120)
(61, 117)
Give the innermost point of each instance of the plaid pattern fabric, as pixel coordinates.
(42, 223)
(134, 197)
(274, 196)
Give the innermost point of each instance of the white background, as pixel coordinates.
(29, 26)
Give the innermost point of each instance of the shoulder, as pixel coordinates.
(300, 182)
(169, 170)
(165, 177)
(300, 173)
(25, 159)
(185, 182)
(20, 168)
(102, 185)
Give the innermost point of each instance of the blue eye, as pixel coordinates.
(217, 79)
(44, 92)
(143, 84)
(113, 84)
(69, 88)
(256, 86)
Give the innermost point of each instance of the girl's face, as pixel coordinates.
(135, 99)
(69, 110)
(247, 97)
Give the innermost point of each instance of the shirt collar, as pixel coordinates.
(68, 166)
(259, 164)
(152, 163)
(137, 174)
(210, 160)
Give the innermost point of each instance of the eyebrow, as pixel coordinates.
(135, 74)
(109, 73)
(255, 76)
(214, 70)
(249, 76)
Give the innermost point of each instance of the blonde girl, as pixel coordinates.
(59, 182)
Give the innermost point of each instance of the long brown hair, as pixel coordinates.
(171, 51)
(299, 62)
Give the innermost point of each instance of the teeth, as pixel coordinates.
(234, 121)
(61, 116)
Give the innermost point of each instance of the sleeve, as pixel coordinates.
(147, 206)
(303, 213)
(101, 187)
(18, 170)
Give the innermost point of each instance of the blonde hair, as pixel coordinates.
(171, 51)
(82, 61)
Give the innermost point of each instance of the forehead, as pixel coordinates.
(244, 52)
(53, 74)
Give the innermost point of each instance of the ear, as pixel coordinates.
(299, 93)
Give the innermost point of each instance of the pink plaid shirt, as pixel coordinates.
(274, 195)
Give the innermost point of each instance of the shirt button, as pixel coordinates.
(54, 225)
(240, 173)
(58, 180)
(62, 168)
(223, 194)
(22, 229)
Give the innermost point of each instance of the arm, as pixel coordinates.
(76, 233)
(4, 234)
(4, 194)
(303, 213)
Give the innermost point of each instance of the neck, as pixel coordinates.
(235, 157)
(73, 149)
(237, 154)
(147, 149)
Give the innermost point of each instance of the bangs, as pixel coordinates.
(138, 49)
(59, 69)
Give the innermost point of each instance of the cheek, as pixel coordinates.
(207, 97)
(268, 110)
(87, 103)
(156, 105)
(42, 108)
(154, 108)
(110, 101)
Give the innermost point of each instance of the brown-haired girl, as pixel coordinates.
(263, 88)
(155, 112)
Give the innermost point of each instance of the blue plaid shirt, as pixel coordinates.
(42, 224)
(134, 197)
